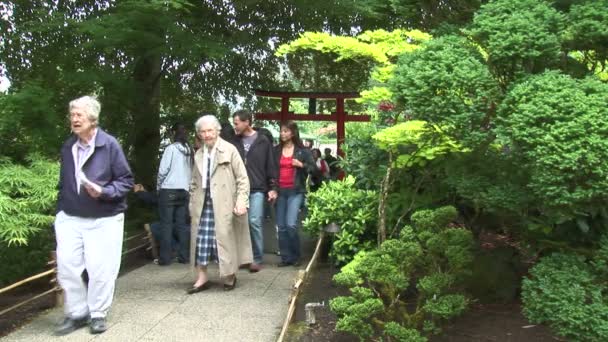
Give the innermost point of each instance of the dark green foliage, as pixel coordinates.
(366, 162)
(22, 261)
(569, 293)
(447, 83)
(519, 36)
(430, 255)
(496, 275)
(352, 209)
(588, 32)
(558, 126)
(423, 14)
(493, 180)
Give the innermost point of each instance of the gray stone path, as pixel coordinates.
(151, 304)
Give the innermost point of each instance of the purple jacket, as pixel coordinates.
(106, 167)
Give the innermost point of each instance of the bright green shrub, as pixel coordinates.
(569, 293)
(353, 209)
(431, 255)
(415, 143)
(27, 202)
(27, 199)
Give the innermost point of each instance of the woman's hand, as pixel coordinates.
(297, 163)
(239, 211)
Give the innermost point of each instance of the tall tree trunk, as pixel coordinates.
(385, 187)
(146, 118)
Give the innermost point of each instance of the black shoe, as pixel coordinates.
(197, 289)
(98, 325)
(284, 264)
(70, 325)
(229, 287)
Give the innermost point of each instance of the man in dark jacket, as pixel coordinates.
(256, 151)
(94, 180)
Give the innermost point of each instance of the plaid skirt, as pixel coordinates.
(206, 245)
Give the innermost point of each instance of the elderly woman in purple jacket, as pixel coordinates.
(93, 183)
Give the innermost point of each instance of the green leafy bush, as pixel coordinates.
(432, 256)
(366, 162)
(353, 209)
(27, 198)
(569, 293)
(415, 143)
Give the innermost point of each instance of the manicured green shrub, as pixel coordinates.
(520, 37)
(557, 126)
(426, 265)
(570, 294)
(353, 209)
(447, 83)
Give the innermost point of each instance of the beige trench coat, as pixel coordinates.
(229, 186)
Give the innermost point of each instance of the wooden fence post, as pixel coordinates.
(54, 282)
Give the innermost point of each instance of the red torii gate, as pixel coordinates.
(339, 116)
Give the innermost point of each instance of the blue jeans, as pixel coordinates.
(156, 232)
(173, 212)
(288, 207)
(256, 225)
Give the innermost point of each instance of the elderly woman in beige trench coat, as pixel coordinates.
(221, 233)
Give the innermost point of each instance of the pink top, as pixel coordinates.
(286, 173)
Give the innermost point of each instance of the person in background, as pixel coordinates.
(219, 197)
(154, 229)
(321, 172)
(265, 132)
(295, 163)
(173, 184)
(256, 150)
(227, 133)
(94, 180)
(308, 143)
(332, 162)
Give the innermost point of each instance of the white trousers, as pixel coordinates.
(94, 244)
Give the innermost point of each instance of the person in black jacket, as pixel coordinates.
(256, 151)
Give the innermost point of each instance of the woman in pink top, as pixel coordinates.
(295, 163)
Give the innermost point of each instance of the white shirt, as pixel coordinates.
(206, 156)
(81, 153)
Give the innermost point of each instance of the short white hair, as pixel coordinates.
(91, 106)
(208, 119)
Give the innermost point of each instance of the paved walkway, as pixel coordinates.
(151, 304)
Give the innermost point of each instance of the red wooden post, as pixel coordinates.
(341, 131)
(284, 108)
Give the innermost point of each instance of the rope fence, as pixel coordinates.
(52, 272)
